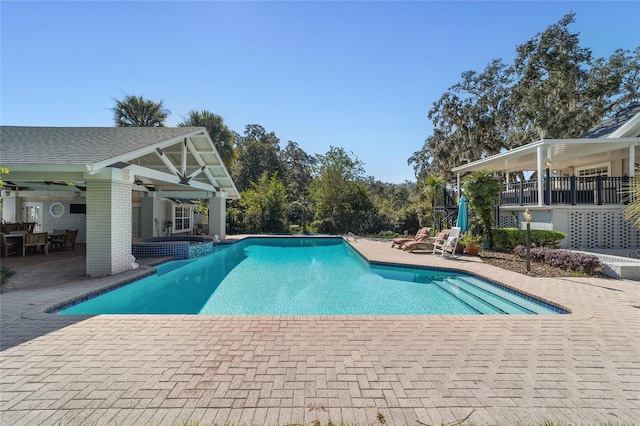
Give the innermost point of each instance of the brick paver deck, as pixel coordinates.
(583, 367)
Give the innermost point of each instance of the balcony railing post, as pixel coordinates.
(571, 190)
(521, 193)
(625, 192)
(547, 187)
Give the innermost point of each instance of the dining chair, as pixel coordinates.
(9, 246)
(35, 240)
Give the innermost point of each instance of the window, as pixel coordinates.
(601, 169)
(182, 218)
(56, 209)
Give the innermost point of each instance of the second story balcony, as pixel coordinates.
(595, 190)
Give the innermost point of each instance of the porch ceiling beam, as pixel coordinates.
(167, 162)
(43, 176)
(186, 147)
(197, 172)
(44, 193)
(168, 178)
(201, 162)
(178, 152)
(183, 157)
(182, 194)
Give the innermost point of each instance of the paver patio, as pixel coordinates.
(583, 367)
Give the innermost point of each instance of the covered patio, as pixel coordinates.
(604, 168)
(115, 184)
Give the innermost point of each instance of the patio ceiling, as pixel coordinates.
(560, 153)
(162, 159)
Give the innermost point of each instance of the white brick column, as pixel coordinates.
(108, 222)
(218, 215)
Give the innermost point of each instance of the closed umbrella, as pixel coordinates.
(463, 221)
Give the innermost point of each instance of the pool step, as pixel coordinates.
(498, 301)
(519, 300)
(450, 286)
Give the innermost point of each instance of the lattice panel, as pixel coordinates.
(630, 236)
(507, 221)
(8, 212)
(608, 221)
(575, 229)
(591, 230)
(603, 229)
(200, 219)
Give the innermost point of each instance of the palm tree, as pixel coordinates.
(632, 197)
(433, 186)
(222, 137)
(136, 111)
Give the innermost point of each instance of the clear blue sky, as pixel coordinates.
(359, 75)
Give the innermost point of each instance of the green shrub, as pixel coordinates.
(324, 226)
(562, 259)
(471, 240)
(506, 239)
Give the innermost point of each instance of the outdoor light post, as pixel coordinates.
(527, 217)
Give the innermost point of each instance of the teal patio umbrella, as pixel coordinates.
(463, 221)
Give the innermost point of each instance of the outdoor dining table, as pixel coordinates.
(19, 236)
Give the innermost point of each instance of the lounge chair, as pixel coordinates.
(426, 244)
(448, 245)
(420, 235)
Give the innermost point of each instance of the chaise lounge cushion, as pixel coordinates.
(421, 235)
(426, 244)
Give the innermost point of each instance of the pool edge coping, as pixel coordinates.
(43, 311)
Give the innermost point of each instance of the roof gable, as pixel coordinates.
(620, 125)
(78, 145)
(183, 156)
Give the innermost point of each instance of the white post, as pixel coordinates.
(217, 215)
(108, 222)
(632, 160)
(540, 186)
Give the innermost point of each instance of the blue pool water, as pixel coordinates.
(303, 276)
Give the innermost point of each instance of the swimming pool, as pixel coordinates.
(305, 276)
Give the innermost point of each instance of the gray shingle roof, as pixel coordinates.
(77, 145)
(612, 124)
